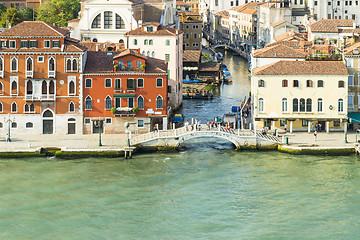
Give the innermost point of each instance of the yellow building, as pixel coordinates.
(300, 95)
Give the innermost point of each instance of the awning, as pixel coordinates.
(354, 117)
(124, 95)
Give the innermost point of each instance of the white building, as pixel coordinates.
(331, 29)
(164, 43)
(109, 20)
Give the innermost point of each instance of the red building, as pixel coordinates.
(121, 87)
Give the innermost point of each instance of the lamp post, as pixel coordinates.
(98, 123)
(9, 121)
(128, 132)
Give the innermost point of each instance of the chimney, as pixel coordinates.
(97, 47)
(140, 22)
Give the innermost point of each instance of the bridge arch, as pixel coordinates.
(190, 136)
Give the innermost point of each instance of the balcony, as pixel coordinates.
(42, 97)
(125, 111)
(52, 74)
(29, 74)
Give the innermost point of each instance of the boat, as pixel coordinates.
(227, 77)
(178, 118)
(193, 81)
(219, 56)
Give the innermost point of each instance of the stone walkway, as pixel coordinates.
(332, 139)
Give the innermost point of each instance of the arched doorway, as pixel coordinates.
(48, 122)
(71, 126)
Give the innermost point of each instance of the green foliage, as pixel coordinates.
(134, 109)
(28, 14)
(143, 67)
(11, 16)
(113, 110)
(73, 155)
(58, 12)
(2, 8)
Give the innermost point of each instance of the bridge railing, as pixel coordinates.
(268, 137)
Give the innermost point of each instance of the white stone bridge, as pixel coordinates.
(241, 138)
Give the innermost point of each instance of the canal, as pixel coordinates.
(207, 191)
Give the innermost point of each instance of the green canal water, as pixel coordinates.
(208, 191)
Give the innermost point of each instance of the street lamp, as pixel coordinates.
(99, 124)
(128, 132)
(9, 121)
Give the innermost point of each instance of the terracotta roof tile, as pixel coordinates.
(290, 35)
(350, 50)
(130, 52)
(224, 14)
(161, 31)
(330, 25)
(209, 67)
(303, 68)
(278, 51)
(249, 8)
(278, 23)
(192, 56)
(96, 46)
(34, 29)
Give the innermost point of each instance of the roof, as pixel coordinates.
(160, 31)
(102, 62)
(303, 68)
(96, 46)
(289, 36)
(248, 8)
(130, 52)
(224, 14)
(292, 44)
(209, 67)
(278, 51)
(278, 23)
(34, 29)
(330, 25)
(350, 50)
(191, 20)
(192, 55)
(182, 3)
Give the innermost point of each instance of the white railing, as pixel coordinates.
(52, 74)
(1, 74)
(48, 97)
(29, 74)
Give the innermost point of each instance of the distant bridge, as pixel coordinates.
(235, 50)
(241, 138)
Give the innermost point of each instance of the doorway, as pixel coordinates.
(71, 126)
(48, 122)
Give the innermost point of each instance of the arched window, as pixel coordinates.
(151, 42)
(74, 65)
(14, 88)
(108, 103)
(148, 53)
(121, 41)
(145, 42)
(52, 87)
(261, 105)
(13, 125)
(96, 22)
(71, 88)
(341, 84)
(119, 22)
(167, 42)
(340, 105)
(29, 87)
(308, 105)
(1, 64)
(95, 40)
(295, 105)
(309, 83)
(51, 64)
(320, 83)
(88, 103)
(29, 125)
(159, 102)
(1, 107)
(140, 102)
(44, 87)
(108, 16)
(14, 107)
(71, 107)
(284, 83)
(261, 83)
(296, 83)
(14, 63)
(29, 64)
(153, 54)
(302, 105)
(284, 106)
(26, 108)
(320, 105)
(68, 65)
(32, 108)
(1, 88)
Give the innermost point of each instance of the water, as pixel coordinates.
(209, 191)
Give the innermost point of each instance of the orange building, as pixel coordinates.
(40, 69)
(125, 86)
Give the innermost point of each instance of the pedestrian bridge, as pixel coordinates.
(235, 50)
(241, 138)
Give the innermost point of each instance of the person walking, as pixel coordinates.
(285, 127)
(315, 135)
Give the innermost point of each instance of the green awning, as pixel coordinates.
(355, 117)
(124, 95)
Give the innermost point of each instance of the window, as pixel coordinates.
(12, 44)
(51, 65)
(167, 57)
(14, 107)
(88, 103)
(14, 88)
(302, 105)
(146, 42)
(29, 64)
(340, 105)
(96, 22)
(349, 62)
(119, 22)
(55, 43)
(71, 88)
(108, 120)
(337, 123)
(305, 123)
(167, 42)
(108, 103)
(351, 80)
(282, 122)
(40, 59)
(71, 107)
(148, 53)
(24, 44)
(320, 105)
(87, 120)
(131, 84)
(138, 64)
(140, 123)
(29, 87)
(121, 65)
(150, 29)
(46, 43)
(341, 84)
(320, 83)
(117, 84)
(129, 66)
(14, 65)
(140, 102)
(135, 41)
(151, 42)
(284, 108)
(13, 125)
(117, 102)
(3, 43)
(261, 105)
(261, 83)
(350, 100)
(140, 83)
(1, 107)
(159, 82)
(107, 20)
(308, 105)
(1, 88)
(153, 54)
(296, 83)
(130, 102)
(284, 83)
(159, 102)
(108, 82)
(309, 83)
(169, 89)
(88, 83)
(29, 125)
(295, 105)
(33, 44)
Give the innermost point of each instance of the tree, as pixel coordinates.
(58, 12)
(28, 14)
(2, 9)
(11, 16)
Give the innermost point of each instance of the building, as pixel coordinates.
(194, 4)
(40, 80)
(331, 29)
(221, 25)
(122, 87)
(352, 58)
(192, 28)
(103, 20)
(307, 93)
(280, 28)
(157, 41)
(21, 4)
(182, 6)
(191, 61)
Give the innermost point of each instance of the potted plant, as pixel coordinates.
(113, 110)
(116, 67)
(143, 67)
(134, 109)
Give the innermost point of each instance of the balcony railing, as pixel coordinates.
(52, 74)
(122, 112)
(47, 97)
(43, 97)
(29, 74)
